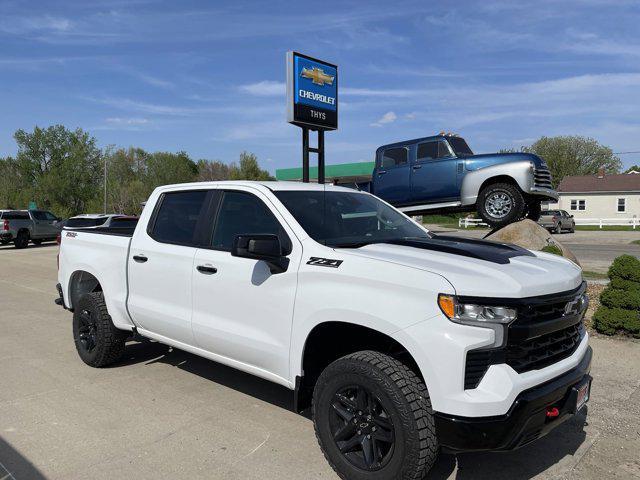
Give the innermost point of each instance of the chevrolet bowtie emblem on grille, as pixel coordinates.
(575, 306)
(317, 76)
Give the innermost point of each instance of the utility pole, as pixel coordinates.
(105, 185)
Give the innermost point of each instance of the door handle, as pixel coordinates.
(416, 167)
(140, 258)
(206, 269)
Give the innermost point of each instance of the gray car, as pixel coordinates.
(22, 226)
(557, 221)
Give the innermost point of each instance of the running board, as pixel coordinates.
(429, 206)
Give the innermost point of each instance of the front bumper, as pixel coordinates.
(525, 421)
(549, 193)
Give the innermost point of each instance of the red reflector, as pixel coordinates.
(552, 412)
(5, 225)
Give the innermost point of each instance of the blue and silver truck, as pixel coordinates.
(441, 173)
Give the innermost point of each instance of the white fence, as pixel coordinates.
(599, 222)
(471, 222)
(605, 222)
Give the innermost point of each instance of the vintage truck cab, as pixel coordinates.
(442, 173)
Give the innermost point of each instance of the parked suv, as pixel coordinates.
(401, 342)
(557, 220)
(22, 226)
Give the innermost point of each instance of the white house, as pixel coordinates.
(600, 196)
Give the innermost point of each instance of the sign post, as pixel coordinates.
(312, 103)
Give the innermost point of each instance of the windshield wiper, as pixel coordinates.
(353, 244)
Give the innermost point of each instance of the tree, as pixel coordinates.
(14, 188)
(633, 168)
(574, 155)
(212, 170)
(60, 167)
(248, 169)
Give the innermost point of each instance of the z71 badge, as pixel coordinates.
(324, 262)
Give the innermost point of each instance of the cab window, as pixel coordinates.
(432, 150)
(394, 157)
(243, 213)
(177, 217)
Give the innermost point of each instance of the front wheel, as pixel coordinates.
(373, 419)
(98, 342)
(22, 239)
(500, 204)
(558, 229)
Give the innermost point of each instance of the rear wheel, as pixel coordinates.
(373, 419)
(534, 210)
(98, 342)
(22, 239)
(500, 204)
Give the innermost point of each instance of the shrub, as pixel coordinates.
(627, 285)
(620, 301)
(626, 267)
(614, 297)
(611, 320)
(552, 249)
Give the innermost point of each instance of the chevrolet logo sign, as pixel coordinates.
(317, 76)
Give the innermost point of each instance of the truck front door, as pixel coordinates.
(391, 178)
(43, 224)
(242, 311)
(434, 173)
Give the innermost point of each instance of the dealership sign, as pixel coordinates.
(312, 92)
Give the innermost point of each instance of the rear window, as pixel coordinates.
(14, 216)
(177, 217)
(85, 222)
(124, 222)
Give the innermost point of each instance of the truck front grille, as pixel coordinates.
(524, 351)
(542, 178)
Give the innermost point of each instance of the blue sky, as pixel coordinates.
(208, 77)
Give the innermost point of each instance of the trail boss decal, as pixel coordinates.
(324, 262)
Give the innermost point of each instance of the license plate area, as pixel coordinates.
(581, 393)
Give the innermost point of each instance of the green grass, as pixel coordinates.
(552, 249)
(609, 228)
(589, 275)
(635, 242)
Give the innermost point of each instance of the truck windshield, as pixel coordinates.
(350, 220)
(459, 146)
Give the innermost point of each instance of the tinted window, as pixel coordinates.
(459, 146)
(177, 217)
(393, 157)
(242, 213)
(38, 215)
(85, 222)
(124, 222)
(50, 216)
(343, 219)
(15, 216)
(427, 151)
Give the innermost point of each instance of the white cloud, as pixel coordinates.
(127, 121)
(265, 88)
(388, 117)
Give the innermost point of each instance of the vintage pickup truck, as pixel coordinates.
(441, 173)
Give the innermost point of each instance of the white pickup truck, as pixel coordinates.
(401, 341)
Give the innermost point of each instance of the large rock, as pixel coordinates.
(528, 234)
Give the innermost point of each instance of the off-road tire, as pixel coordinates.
(22, 239)
(517, 204)
(36, 242)
(109, 342)
(534, 210)
(399, 390)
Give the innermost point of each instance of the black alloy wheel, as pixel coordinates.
(361, 427)
(87, 331)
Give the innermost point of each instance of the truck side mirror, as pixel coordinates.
(263, 247)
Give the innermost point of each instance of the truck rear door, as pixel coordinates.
(160, 265)
(43, 224)
(391, 177)
(434, 173)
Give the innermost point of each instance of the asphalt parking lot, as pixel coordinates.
(166, 414)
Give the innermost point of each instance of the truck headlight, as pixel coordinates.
(494, 317)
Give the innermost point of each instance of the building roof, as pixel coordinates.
(597, 183)
(348, 170)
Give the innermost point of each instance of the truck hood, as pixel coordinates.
(519, 273)
(475, 162)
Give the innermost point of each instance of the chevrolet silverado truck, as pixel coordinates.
(441, 173)
(22, 226)
(401, 342)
